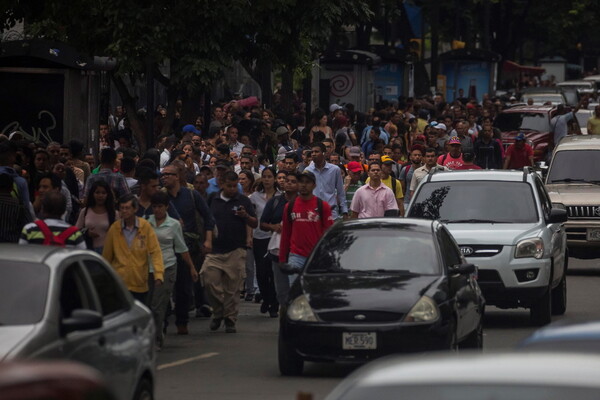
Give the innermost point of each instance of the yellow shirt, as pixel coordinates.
(593, 126)
(388, 182)
(131, 262)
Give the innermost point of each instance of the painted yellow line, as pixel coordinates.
(186, 360)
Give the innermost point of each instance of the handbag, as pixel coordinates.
(273, 246)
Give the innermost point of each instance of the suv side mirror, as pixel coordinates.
(557, 215)
(81, 320)
(462, 269)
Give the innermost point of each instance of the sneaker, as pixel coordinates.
(230, 326)
(205, 311)
(273, 311)
(249, 297)
(182, 330)
(215, 324)
(264, 307)
(257, 298)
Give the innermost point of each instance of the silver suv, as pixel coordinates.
(505, 223)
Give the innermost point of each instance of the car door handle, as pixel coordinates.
(102, 341)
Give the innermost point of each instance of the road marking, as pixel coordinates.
(186, 360)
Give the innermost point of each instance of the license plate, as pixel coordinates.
(359, 340)
(593, 234)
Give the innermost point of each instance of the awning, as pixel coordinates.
(511, 66)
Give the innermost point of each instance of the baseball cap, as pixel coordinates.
(441, 126)
(307, 174)
(454, 140)
(512, 98)
(520, 136)
(281, 152)
(334, 107)
(354, 151)
(190, 128)
(433, 124)
(387, 160)
(282, 130)
(354, 166)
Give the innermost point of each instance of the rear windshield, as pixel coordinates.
(24, 288)
(390, 249)
(475, 202)
(507, 122)
(575, 166)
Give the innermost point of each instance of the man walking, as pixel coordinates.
(305, 219)
(130, 243)
(224, 267)
(116, 181)
(374, 199)
(420, 173)
(329, 184)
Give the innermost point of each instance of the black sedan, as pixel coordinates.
(379, 286)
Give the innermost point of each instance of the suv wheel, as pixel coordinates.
(559, 297)
(541, 310)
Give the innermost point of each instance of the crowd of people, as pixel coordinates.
(215, 214)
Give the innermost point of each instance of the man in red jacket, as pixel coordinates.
(304, 225)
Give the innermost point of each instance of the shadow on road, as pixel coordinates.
(506, 319)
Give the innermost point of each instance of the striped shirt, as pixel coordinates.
(32, 234)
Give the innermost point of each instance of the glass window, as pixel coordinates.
(507, 122)
(449, 249)
(109, 292)
(400, 249)
(575, 166)
(73, 295)
(24, 288)
(476, 202)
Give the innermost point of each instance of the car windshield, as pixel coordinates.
(475, 202)
(400, 249)
(575, 166)
(24, 288)
(472, 391)
(507, 122)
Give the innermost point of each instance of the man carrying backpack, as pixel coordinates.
(52, 230)
(305, 219)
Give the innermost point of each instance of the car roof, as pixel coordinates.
(529, 109)
(579, 142)
(417, 224)
(566, 331)
(493, 368)
(32, 253)
(575, 82)
(477, 175)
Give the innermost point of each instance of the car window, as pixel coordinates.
(109, 292)
(73, 291)
(476, 202)
(515, 121)
(575, 166)
(24, 288)
(545, 200)
(393, 249)
(450, 252)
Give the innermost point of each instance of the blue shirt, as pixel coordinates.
(330, 187)
(187, 202)
(213, 187)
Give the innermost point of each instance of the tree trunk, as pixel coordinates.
(287, 90)
(172, 96)
(136, 124)
(191, 107)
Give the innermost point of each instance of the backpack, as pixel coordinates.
(291, 207)
(55, 240)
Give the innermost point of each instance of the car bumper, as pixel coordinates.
(503, 282)
(577, 233)
(324, 341)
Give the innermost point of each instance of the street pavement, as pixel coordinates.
(243, 366)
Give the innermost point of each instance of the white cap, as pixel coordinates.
(334, 107)
(441, 126)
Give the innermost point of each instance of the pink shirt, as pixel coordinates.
(369, 202)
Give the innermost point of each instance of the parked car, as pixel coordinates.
(69, 304)
(507, 376)
(378, 286)
(573, 179)
(51, 380)
(533, 121)
(567, 336)
(505, 223)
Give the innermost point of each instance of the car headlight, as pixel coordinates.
(425, 310)
(299, 310)
(533, 247)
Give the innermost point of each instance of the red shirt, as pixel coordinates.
(448, 161)
(470, 166)
(519, 158)
(307, 228)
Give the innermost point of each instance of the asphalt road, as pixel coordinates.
(216, 365)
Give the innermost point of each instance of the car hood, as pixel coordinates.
(580, 194)
(496, 234)
(389, 292)
(11, 337)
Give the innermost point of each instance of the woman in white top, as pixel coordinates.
(266, 189)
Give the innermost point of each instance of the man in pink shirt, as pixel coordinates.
(374, 199)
